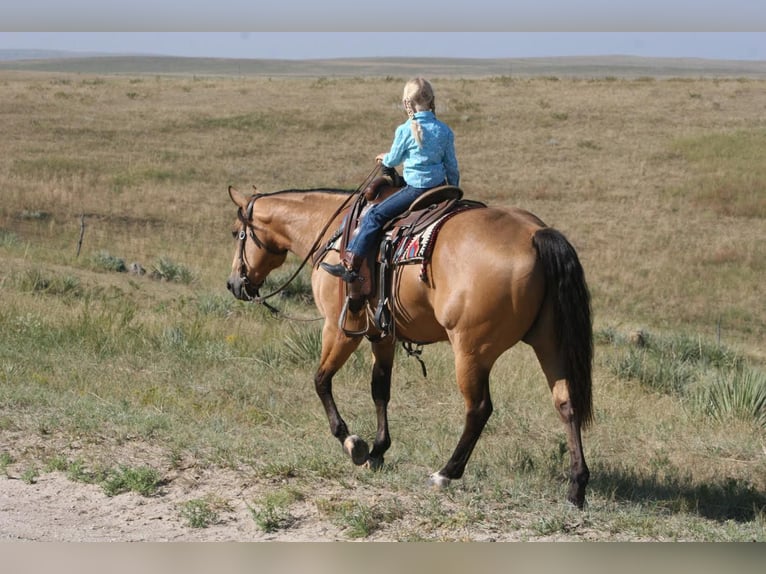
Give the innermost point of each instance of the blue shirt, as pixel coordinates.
(430, 165)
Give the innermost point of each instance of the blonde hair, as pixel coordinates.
(418, 96)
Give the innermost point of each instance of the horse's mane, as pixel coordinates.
(330, 190)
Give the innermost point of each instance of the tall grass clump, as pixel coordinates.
(9, 239)
(144, 480)
(168, 270)
(204, 512)
(303, 345)
(714, 379)
(739, 394)
(668, 364)
(108, 262)
(272, 512)
(37, 281)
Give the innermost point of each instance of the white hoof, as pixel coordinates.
(438, 481)
(374, 463)
(357, 449)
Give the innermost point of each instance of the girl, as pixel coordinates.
(426, 148)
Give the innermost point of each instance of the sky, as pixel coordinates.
(306, 45)
(301, 29)
(401, 15)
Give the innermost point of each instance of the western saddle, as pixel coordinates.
(406, 239)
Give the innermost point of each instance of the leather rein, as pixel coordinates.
(248, 229)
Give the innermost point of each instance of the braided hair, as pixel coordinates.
(418, 96)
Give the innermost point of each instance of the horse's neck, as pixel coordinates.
(300, 216)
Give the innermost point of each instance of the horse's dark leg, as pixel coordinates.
(473, 381)
(578, 470)
(551, 363)
(383, 353)
(336, 349)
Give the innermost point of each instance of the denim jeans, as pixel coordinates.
(377, 216)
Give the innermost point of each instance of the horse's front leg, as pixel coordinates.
(336, 349)
(383, 354)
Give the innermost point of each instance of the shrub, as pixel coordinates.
(168, 270)
(104, 260)
(738, 394)
(143, 480)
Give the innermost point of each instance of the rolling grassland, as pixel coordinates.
(133, 396)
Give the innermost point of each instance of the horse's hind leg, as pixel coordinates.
(473, 381)
(551, 363)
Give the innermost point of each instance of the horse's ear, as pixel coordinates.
(238, 198)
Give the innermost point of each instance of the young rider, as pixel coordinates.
(425, 147)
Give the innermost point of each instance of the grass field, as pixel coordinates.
(121, 379)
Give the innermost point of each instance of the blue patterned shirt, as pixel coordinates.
(430, 165)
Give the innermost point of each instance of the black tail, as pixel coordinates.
(565, 280)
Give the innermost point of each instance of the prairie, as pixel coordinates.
(146, 382)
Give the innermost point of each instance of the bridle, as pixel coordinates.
(246, 218)
(248, 228)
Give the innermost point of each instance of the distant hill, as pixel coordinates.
(578, 66)
(14, 55)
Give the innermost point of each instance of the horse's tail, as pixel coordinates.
(568, 291)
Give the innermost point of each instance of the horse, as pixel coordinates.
(496, 276)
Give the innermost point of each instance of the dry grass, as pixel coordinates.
(658, 183)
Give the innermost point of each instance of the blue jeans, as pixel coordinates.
(378, 215)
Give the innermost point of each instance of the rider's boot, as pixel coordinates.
(347, 269)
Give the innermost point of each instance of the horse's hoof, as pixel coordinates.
(576, 496)
(357, 449)
(438, 481)
(374, 463)
(577, 501)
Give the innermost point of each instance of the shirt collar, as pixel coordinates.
(423, 115)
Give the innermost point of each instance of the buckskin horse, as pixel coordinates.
(496, 276)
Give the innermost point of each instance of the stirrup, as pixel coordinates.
(361, 316)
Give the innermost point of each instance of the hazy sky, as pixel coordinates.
(353, 15)
(633, 23)
(301, 45)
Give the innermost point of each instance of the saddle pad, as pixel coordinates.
(411, 249)
(415, 248)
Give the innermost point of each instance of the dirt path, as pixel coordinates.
(57, 509)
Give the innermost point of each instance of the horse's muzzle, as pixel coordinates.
(241, 288)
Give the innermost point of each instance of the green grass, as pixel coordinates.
(5, 460)
(168, 270)
(203, 512)
(357, 519)
(739, 394)
(144, 480)
(108, 262)
(272, 512)
(714, 379)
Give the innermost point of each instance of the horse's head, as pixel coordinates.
(257, 254)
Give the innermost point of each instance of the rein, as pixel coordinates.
(246, 219)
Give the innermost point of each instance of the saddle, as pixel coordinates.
(407, 239)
